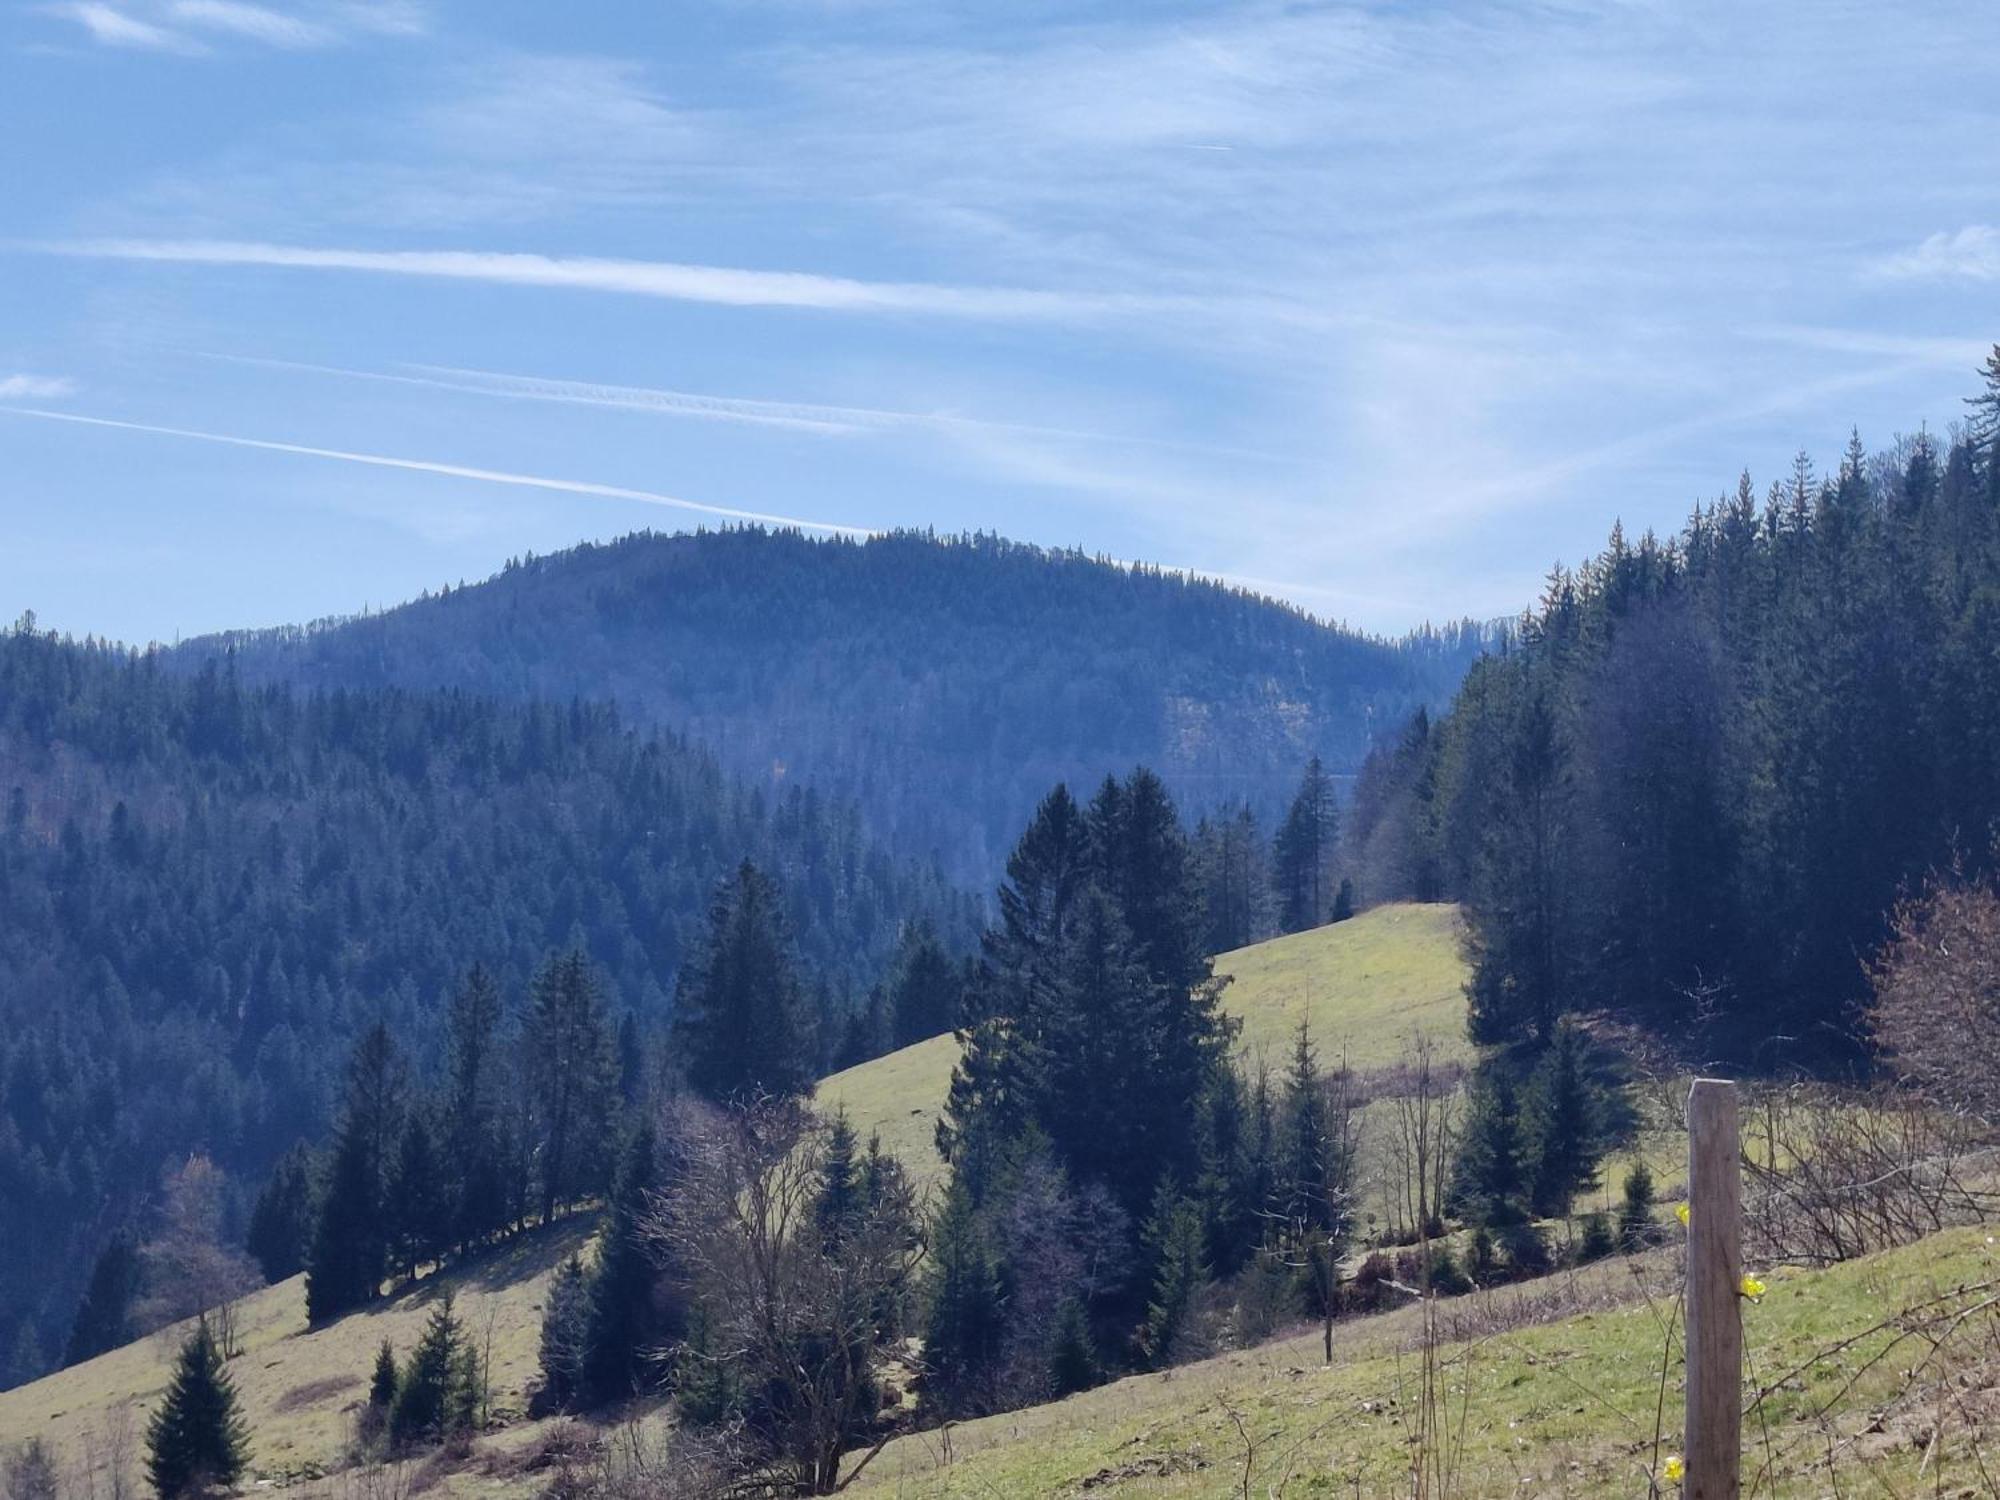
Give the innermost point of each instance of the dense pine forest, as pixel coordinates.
(942, 685)
(1692, 791)
(209, 890)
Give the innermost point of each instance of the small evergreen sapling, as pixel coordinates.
(196, 1442)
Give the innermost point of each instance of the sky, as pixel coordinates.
(1378, 308)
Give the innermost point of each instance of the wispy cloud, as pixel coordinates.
(451, 471)
(700, 406)
(1968, 254)
(36, 387)
(115, 28)
(252, 21)
(670, 280)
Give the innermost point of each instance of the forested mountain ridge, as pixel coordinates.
(207, 890)
(942, 684)
(1695, 789)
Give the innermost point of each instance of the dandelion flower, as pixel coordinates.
(1675, 1469)
(1751, 1287)
(1681, 1213)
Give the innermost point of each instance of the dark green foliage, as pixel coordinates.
(572, 1080)
(438, 1395)
(383, 1383)
(104, 1317)
(963, 1323)
(281, 1224)
(1525, 1247)
(1302, 854)
(1172, 1332)
(208, 890)
(473, 1111)
(196, 1442)
(566, 1318)
(415, 1200)
(943, 683)
(625, 1326)
(1565, 1123)
(1073, 1364)
(1598, 1239)
(839, 1201)
(1232, 868)
(1491, 1178)
(351, 1241)
(1636, 1228)
(1343, 901)
(924, 986)
(1693, 789)
(742, 1009)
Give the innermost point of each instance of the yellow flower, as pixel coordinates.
(1751, 1287)
(1675, 1469)
(1681, 1213)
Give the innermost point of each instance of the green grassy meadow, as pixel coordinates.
(1366, 986)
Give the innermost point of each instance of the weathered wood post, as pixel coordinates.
(1714, 1275)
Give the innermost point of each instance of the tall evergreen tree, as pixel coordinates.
(1491, 1179)
(196, 1441)
(281, 1223)
(572, 1078)
(472, 1114)
(1565, 1124)
(415, 1203)
(924, 985)
(625, 1327)
(1302, 853)
(741, 1008)
(104, 1318)
(350, 1245)
(1174, 1235)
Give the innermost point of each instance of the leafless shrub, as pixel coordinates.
(1936, 1007)
(796, 1314)
(1841, 1173)
(29, 1472)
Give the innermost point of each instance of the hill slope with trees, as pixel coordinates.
(209, 890)
(942, 685)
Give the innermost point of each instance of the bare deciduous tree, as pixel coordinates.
(189, 1270)
(799, 1308)
(1936, 1007)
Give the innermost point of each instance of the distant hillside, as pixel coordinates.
(207, 890)
(943, 685)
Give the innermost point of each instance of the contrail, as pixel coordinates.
(455, 471)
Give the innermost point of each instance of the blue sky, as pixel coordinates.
(1381, 308)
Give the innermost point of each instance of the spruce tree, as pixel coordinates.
(415, 1202)
(742, 1008)
(624, 1324)
(281, 1223)
(350, 1244)
(923, 986)
(382, 1384)
(104, 1318)
(572, 1076)
(565, 1334)
(963, 1324)
(472, 1110)
(1073, 1362)
(1180, 1274)
(436, 1398)
(1565, 1128)
(1635, 1212)
(838, 1204)
(1302, 853)
(196, 1442)
(1490, 1180)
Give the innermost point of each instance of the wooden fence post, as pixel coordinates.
(1714, 1434)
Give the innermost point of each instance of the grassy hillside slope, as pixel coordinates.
(299, 1389)
(1366, 986)
(1566, 1408)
